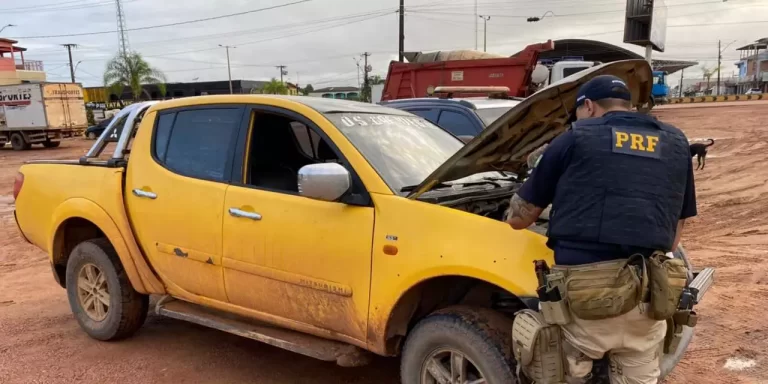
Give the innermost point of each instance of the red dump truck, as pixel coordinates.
(458, 72)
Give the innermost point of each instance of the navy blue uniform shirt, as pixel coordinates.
(539, 190)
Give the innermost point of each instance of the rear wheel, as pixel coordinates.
(102, 299)
(459, 345)
(18, 143)
(51, 144)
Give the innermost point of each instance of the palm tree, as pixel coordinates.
(707, 74)
(275, 87)
(131, 71)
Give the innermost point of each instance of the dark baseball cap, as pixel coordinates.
(603, 87)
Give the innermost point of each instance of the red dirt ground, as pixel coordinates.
(40, 342)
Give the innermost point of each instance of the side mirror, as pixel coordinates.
(324, 181)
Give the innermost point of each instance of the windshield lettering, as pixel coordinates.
(378, 120)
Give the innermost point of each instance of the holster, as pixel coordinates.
(675, 326)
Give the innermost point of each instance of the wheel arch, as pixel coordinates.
(78, 220)
(435, 293)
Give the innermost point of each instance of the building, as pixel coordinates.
(14, 69)
(337, 93)
(700, 86)
(753, 66)
(100, 97)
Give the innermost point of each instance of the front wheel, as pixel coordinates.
(459, 345)
(102, 299)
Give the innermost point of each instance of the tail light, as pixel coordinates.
(17, 184)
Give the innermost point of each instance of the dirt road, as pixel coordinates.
(41, 343)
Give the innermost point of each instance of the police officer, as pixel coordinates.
(620, 183)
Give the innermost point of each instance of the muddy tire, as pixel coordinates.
(473, 342)
(51, 144)
(19, 143)
(102, 299)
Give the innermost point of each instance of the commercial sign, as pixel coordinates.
(15, 96)
(645, 23)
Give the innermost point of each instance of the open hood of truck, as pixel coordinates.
(505, 144)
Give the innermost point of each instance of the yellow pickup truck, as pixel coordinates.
(334, 229)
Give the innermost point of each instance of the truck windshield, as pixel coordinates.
(489, 115)
(404, 150)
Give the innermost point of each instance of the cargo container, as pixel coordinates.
(466, 70)
(41, 113)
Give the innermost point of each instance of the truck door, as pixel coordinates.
(175, 194)
(289, 256)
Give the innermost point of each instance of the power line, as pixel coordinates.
(169, 24)
(570, 14)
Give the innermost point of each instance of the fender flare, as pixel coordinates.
(139, 273)
(379, 329)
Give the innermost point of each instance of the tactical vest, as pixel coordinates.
(624, 185)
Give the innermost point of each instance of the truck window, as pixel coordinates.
(279, 147)
(456, 123)
(199, 142)
(571, 70)
(427, 113)
(162, 133)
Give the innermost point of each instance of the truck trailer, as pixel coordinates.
(522, 74)
(41, 113)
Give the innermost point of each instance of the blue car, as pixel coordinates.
(95, 131)
(463, 117)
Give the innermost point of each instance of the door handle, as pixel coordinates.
(240, 213)
(143, 193)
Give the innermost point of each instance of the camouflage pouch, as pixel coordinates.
(668, 277)
(538, 349)
(603, 290)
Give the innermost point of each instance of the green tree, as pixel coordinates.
(275, 87)
(707, 73)
(132, 71)
(375, 79)
(307, 90)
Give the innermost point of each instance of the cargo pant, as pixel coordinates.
(632, 342)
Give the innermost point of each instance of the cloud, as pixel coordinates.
(320, 40)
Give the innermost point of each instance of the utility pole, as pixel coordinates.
(229, 69)
(680, 91)
(282, 71)
(719, 59)
(476, 15)
(366, 69)
(71, 67)
(402, 30)
(485, 31)
(357, 63)
(121, 33)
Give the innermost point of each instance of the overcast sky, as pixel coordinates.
(320, 40)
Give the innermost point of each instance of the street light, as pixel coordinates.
(6, 26)
(229, 70)
(535, 19)
(485, 31)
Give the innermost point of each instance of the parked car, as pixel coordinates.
(95, 131)
(462, 117)
(753, 91)
(325, 227)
